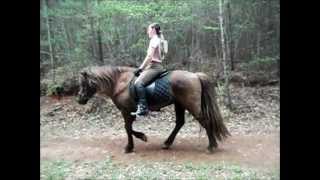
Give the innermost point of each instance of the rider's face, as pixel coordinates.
(150, 31)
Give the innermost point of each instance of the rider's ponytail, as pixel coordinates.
(156, 26)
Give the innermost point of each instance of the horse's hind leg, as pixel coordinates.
(140, 135)
(179, 123)
(196, 112)
(209, 131)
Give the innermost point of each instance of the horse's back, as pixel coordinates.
(183, 80)
(186, 88)
(175, 86)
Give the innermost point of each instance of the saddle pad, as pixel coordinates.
(159, 93)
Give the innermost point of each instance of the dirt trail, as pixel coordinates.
(70, 132)
(254, 151)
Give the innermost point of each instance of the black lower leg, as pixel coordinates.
(180, 111)
(140, 135)
(212, 141)
(129, 147)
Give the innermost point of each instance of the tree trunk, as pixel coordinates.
(231, 42)
(191, 50)
(68, 48)
(258, 44)
(99, 40)
(100, 47)
(49, 41)
(92, 38)
(227, 97)
(278, 63)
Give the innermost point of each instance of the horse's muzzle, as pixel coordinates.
(82, 100)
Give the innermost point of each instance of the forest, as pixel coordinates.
(75, 34)
(235, 42)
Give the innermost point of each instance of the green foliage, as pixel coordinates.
(107, 169)
(262, 63)
(211, 28)
(189, 26)
(54, 89)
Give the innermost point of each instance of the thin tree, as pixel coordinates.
(99, 39)
(49, 39)
(227, 97)
(230, 35)
(92, 33)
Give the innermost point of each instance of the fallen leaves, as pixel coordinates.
(257, 111)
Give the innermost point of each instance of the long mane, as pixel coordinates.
(105, 77)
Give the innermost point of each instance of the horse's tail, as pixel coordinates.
(210, 110)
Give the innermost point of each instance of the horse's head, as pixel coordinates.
(87, 88)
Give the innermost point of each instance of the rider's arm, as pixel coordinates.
(148, 57)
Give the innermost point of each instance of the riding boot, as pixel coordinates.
(142, 101)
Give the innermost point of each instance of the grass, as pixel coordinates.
(55, 170)
(107, 169)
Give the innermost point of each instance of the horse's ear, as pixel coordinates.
(84, 73)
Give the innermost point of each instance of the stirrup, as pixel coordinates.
(136, 113)
(139, 113)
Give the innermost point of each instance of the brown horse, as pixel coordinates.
(191, 91)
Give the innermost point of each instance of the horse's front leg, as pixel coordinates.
(128, 119)
(140, 135)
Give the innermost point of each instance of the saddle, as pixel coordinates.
(158, 92)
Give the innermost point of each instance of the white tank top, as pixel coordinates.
(155, 43)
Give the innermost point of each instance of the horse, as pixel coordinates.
(193, 92)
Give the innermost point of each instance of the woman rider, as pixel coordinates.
(149, 69)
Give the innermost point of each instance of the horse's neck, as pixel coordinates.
(122, 82)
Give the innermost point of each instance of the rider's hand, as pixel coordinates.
(137, 72)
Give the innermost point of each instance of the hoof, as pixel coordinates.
(128, 150)
(210, 150)
(144, 138)
(165, 146)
